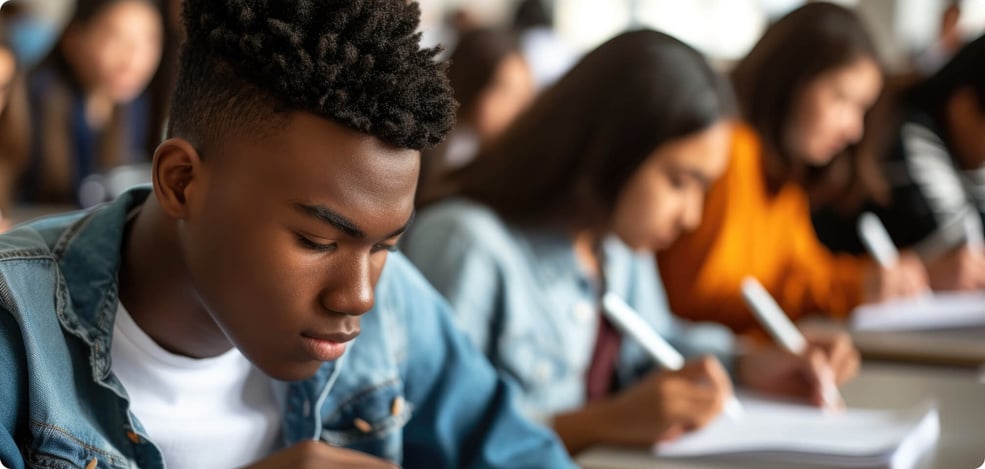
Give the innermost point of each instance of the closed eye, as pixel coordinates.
(385, 247)
(313, 246)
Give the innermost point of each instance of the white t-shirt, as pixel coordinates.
(216, 412)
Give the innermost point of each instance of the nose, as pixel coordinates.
(350, 288)
(854, 127)
(692, 208)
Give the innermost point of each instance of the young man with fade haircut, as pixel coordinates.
(248, 310)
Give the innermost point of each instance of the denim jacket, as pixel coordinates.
(521, 296)
(62, 407)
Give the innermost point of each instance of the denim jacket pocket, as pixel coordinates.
(370, 421)
(54, 448)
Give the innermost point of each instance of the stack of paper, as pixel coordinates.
(783, 432)
(940, 311)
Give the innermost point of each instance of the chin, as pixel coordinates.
(291, 372)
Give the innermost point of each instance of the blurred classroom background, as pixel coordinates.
(88, 83)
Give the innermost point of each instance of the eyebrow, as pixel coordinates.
(343, 224)
(699, 176)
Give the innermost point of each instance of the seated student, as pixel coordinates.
(569, 204)
(212, 320)
(89, 111)
(934, 168)
(803, 92)
(14, 122)
(492, 85)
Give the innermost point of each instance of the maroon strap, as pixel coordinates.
(601, 374)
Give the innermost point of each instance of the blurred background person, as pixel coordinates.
(31, 27)
(947, 43)
(803, 93)
(14, 131)
(90, 113)
(492, 84)
(547, 54)
(931, 153)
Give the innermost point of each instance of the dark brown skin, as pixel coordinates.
(223, 254)
(317, 455)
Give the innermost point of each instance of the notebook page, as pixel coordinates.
(784, 431)
(939, 311)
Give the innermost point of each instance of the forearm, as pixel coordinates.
(581, 428)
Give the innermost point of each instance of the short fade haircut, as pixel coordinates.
(356, 62)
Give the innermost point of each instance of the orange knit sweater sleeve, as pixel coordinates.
(747, 230)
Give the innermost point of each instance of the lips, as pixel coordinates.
(326, 346)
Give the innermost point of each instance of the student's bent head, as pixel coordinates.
(955, 98)
(291, 164)
(807, 84)
(491, 80)
(627, 142)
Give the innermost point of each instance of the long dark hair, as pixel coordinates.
(804, 44)
(477, 56)
(966, 70)
(566, 159)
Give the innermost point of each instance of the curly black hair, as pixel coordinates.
(356, 62)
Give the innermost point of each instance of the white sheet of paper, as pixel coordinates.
(939, 311)
(776, 431)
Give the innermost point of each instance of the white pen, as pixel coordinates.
(630, 323)
(783, 330)
(876, 239)
(973, 233)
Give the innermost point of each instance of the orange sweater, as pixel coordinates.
(747, 231)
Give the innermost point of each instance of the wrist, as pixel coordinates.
(584, 427)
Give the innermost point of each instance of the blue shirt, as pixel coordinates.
(521, 296)
(61, 406)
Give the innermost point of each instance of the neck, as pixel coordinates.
(98, 109)
(585, 253)
(777, 171)
(156, 290)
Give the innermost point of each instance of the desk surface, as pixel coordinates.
(955, 347)
(959, 394)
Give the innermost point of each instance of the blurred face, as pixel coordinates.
(7, 69)
(829, 112)
(286, 237)
(665, 197)
(509, 93)
(117, 52)
(966, 128)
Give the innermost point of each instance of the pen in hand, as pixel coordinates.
(785, 333)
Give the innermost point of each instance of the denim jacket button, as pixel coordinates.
(397, 406)
(133, 437)
(363, 425)
(543, 371)
(92, 464)
(583, 312)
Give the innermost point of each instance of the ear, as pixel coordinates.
(178, 173)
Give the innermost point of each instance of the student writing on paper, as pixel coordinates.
(570, 204)
(931, 151)
(803, 91)
(248, 309)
